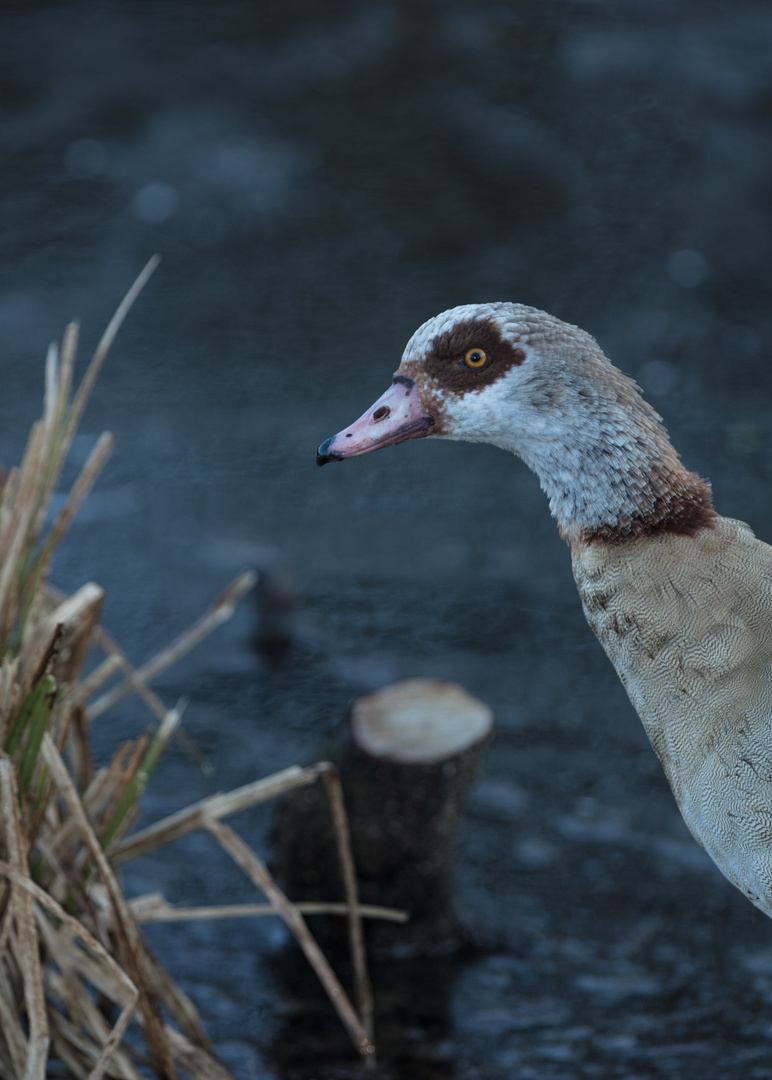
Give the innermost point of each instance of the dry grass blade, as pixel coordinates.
(73, 993)
(112, 663)
(75, 928)
(26, 940)
(194, 1059)
(258, 873)
(97, 796)
(15, 535)
(118, 781)
(116, 661)
(14, 1036)
(119, 818)
(362, 986)
(130, 943)
(212, 808)
(51, 393)
(118, 986)
(9, 670)
(82, 486)
(69, 1044)
(179, 1005)
(218, 613)
(154, 908)
(78, 615)
(103, 348)
(67, 365)
(109, 979)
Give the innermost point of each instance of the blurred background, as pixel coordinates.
(320, 178)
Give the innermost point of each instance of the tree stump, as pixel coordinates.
(408, 757)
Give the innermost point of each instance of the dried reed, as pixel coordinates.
(74, 969)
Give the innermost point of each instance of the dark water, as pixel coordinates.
(320, 178)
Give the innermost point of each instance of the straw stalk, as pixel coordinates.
(74, 970)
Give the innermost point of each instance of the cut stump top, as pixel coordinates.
(419, 721)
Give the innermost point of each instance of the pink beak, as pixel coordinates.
(395, 417)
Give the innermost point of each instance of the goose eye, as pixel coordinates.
(475, 358)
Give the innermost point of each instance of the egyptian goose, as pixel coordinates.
(679, 597)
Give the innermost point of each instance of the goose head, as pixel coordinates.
(522, 380)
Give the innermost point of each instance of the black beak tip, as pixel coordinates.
(323, 454)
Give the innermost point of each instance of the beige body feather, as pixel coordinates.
(687, 623)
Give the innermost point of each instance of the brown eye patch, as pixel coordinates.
(444, 360)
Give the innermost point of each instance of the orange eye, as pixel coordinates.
(475, 358)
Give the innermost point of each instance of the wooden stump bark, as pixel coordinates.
(408, 757)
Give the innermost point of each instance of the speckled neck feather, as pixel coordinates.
(680, 506)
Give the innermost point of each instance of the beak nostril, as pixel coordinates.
(349, 434)
(382, 413)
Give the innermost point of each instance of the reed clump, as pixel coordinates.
(74, 969)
